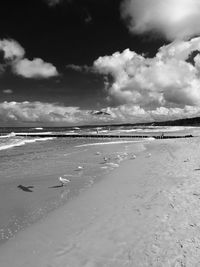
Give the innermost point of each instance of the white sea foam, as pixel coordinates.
(8, 135)
(21, 142)
(70, 133)
(117, 142)
(167, 129)
(155, 129)
(108, 143)
(127, 130)
(149, 139)
(29, 133)
(38, 128)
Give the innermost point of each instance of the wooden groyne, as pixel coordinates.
(103, 136)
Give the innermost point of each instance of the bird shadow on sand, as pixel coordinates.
(56, 186)
(26, 188)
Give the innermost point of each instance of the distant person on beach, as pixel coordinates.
(162, 135)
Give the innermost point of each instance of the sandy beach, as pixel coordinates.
(144, 213)
(100, 133)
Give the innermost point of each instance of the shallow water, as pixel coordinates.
(36, 168)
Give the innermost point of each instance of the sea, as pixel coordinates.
(31, 166)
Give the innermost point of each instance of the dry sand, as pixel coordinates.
(145, 213)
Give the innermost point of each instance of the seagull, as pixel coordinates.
(64, 181)
(105, 159)
(79, 167)
(133, 156)
(112, 164)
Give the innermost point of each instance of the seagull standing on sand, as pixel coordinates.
(133, 156)
(63, 181)
(79, 168)
(105, 159)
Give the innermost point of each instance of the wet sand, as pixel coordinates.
(29, 178)
(144, 213)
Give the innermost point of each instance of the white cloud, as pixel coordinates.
(35, 68)
(175, 19)
(7, 91)
(12, 49)
(136, 114)
(154, 87)
(39, 112)
(19, 113)
(36, 112)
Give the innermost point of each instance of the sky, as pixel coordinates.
(80, 62)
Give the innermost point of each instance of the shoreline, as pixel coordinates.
(134, 217)
(103, 136)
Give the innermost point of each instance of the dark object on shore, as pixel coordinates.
(25, 188)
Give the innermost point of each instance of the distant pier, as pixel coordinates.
(103, 136)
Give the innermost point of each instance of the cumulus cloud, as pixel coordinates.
(12, 49)
(135, 114)
(39, 112)
(36, 112)
(175, 19)
(14, 55)
(164, 86)
(35, 68)
(19, 113)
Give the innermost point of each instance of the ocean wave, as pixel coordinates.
(168, 128)
(8, 135)
(155, 129)
(35, 133)
(37, 128)
(20, 142)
